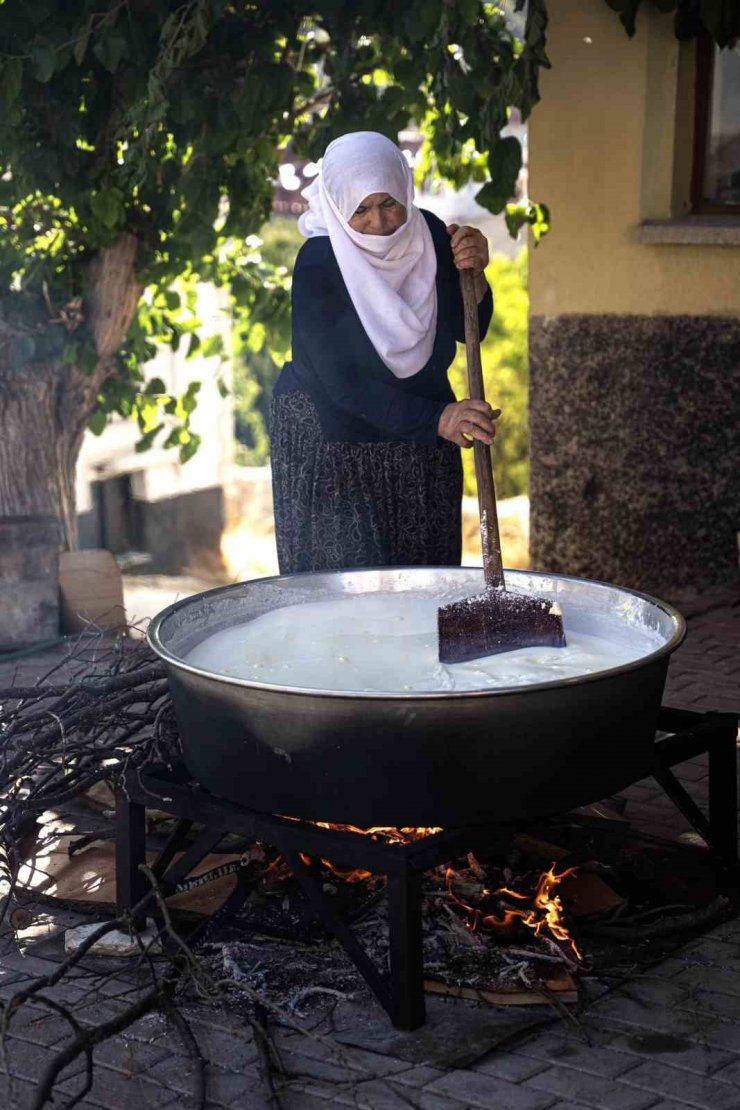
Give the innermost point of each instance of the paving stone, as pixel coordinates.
(418, 1076)
(666, 1104)
(721, 1035)
(694, 1090)
(321, 1095)
(40, 1025)
(566, 1051)
(712, 1002)
(728, 930)
(365, 1063)
(714, 950)
(242, 1088)
(32, 966)
(179, 1074)
(130, 1056)
(626, 1011)
(715, 979)
(11, 982)
(113, 1091)
(428, 1101)
(96, 1012)
(381, 1095)
(680, 1052)
(474, 1089)
(729, 1074)
(593, 1091)
(220, 1047)
(509, 1065)
(298, 1100)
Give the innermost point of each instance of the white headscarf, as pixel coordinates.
(390, 278)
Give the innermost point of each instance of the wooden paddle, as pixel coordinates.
(497, 620)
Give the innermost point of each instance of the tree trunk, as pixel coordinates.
(41, 434)
(45, 408)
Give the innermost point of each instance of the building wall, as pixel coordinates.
(151, 502)
(635, 333)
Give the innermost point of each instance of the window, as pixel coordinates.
(716, 174)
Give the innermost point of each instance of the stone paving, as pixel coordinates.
(668, 1040)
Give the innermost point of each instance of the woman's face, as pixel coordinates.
(378, 214)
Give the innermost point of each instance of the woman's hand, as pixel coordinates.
(463, 421)
(469, 248)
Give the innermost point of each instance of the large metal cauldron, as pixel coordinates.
(411, 759)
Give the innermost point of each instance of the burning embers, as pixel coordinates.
(540, 909)
(377, 832)
(535, 903)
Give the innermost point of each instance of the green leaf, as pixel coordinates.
(44, 57)
(504, 164)
(172, 300)
(110, 49)
(188, 449)
(490, 198)
(214, 345)
(70, 354)
(88, 357)
(97, 422)
(80, 47)
(156, 385)
(107, 206)
(147, 439)
(627, 10)
(11, 79)
(223, 389)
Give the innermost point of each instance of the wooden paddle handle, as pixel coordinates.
(493, 570)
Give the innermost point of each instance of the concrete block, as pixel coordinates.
(115, 943)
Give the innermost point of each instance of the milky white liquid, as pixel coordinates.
(388, 642)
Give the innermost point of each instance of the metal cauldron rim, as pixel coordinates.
(169, 657)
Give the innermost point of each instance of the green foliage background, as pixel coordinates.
(263, 347)
(505, 358)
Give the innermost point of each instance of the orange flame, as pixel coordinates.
(544, 915)
(377, 832)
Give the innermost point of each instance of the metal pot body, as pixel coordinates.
(437, 759)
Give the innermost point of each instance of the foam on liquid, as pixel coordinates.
(387, 642)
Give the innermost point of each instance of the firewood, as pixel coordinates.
(560, 983)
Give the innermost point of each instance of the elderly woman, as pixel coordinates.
(366, 430)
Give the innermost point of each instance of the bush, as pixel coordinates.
(261, 350)
(505, 361)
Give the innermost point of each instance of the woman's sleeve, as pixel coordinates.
(325, 336)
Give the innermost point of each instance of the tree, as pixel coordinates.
(718, 18)
(138, 143)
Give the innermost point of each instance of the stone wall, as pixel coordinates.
(636, 461)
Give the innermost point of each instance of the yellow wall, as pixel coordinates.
(610, 147)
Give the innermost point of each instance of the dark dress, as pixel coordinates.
(360, 477)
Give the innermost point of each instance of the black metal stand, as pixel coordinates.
(685, 735)
(400, 991)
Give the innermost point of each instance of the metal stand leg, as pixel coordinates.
(407, 959)
(723, 789)
(131, 884)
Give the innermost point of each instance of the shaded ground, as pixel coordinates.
(667, 1040)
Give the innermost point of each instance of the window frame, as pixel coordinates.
(704, 74)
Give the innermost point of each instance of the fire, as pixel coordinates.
(382, 832)
(544, 914)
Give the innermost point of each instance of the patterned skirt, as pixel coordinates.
(343, 505)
